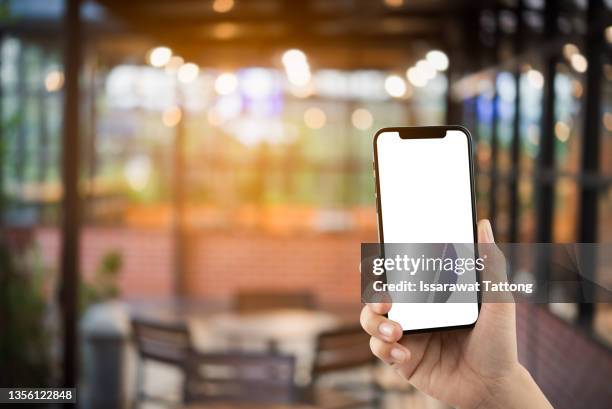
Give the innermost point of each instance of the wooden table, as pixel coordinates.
(278, 325)
(249, 406)
(290, 331)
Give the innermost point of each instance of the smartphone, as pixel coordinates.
(425, 194)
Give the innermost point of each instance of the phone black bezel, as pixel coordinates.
(429, 132)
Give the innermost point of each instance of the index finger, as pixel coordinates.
(380, 307)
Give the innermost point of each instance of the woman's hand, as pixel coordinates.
(469, 368)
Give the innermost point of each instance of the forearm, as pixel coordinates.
(518, 390)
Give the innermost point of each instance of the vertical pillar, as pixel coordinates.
(494, 155)
(21, 157)
(451, 108)
(260, 183)
(494, 131)
(89, 151)
(70, 223)
(4, 314)
(178, 204)
(591, 141)
(513, 236)
(350, 173)
(458, 32)
(544, 182)
(472, 57)
(587, 228)
(2, 140)
(43, 131)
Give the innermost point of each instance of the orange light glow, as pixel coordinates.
(362, 119)
(223, 6)
(394, 3)
(569, 50)
(213, 117)
(225, 31)
(172, 116)
(562, 131)
(315, 118)
(54, 81)
(579, 63)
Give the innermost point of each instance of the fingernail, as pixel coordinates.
(398, 355)
(386, 329)
(488, 231)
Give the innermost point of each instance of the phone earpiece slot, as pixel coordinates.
(422, 132)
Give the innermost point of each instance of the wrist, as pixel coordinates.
(500, 390)
(517, 389)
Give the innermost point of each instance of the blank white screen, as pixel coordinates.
(425, 196)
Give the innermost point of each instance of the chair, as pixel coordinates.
(342, 351)
(257, 301)
(240, 377)
(168, 343)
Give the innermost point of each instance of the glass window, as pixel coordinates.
(602, 323)
(531, 84)
(567, 132)
(505, 123)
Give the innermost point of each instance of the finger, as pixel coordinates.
(380, 307)
(417, 344)
(379, 326)
(390, 353)
(495, 266)
(485, 232)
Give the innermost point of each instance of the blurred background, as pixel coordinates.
(185, 186)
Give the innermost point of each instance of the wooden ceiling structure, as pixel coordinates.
(345, 34)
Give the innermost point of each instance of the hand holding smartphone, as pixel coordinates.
(425, 194)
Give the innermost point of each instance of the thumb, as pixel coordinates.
(485, 232)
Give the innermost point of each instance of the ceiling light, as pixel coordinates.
(569, 50)
(315, 118)
(438, 59)
(54, 81)
(579, 62)
(426, 68)
(223, 6)
(416, 77)
(395, 86)
(159, 56)
(226, 83)
(535, 78)
(362, 119)
(172, 116)
(188, 72)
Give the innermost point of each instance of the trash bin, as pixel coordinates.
(105, 334)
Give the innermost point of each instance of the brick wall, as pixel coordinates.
(147, 258)
(572, 370)
(326, 264)
(219, 263)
